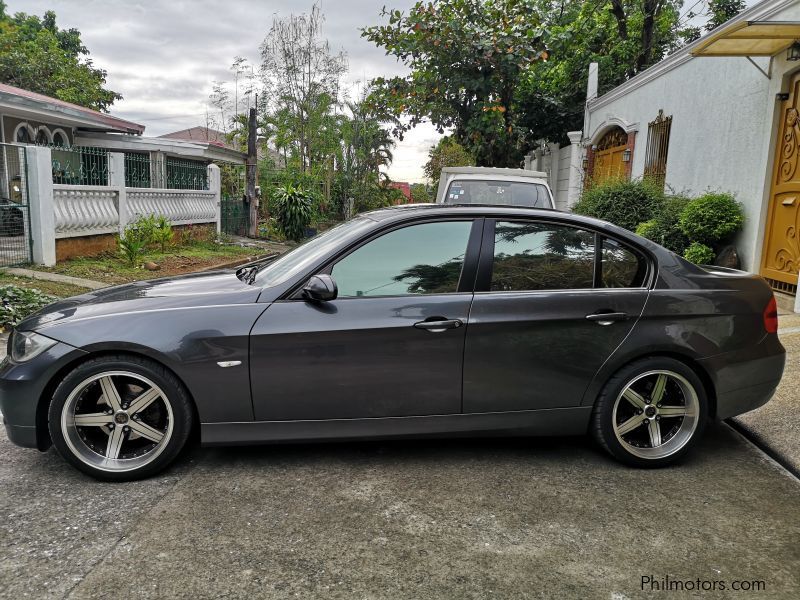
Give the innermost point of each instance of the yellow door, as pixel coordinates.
(781, 255)
(608, 164)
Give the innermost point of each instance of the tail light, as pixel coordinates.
(771, 316)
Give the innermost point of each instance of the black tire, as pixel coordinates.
(176, 397)
(605, 425)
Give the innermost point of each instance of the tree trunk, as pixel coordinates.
(251, 173)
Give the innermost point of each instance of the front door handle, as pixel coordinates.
(438, 325)
(607, 318)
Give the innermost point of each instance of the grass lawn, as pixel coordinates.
(111, 269)
(51, 288)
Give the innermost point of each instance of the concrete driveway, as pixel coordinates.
(447, 519)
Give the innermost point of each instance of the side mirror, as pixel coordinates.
(320, 288)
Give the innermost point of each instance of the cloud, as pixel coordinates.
(163, 56)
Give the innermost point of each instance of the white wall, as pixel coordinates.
(561, 178)
(723, 128)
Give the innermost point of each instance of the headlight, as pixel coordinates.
(26, 345)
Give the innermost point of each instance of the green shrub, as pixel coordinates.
(293, 211)
(699, 254)
(19, 302)
(622, 202)
(134, 239)
(664, 228)
(711, 218)
(161, 233)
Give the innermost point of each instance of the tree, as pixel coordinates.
(302, 79)
(466, 59)
(419, 193)
(623, 36)
(721, 11)
(446, 153)
(36, 55)
(365, 149)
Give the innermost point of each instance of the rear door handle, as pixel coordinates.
(607, 318)
(439, 325)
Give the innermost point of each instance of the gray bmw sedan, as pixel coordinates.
(404, 322)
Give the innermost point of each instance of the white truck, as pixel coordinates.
(489, 185)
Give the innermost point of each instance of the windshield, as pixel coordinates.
(308, 253)
(504, 193)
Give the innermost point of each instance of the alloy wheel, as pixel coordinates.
(117, 421)
(656, 414)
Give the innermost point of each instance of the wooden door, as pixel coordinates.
(608, 164)
(781, 254)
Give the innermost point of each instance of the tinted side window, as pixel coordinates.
(621, 267)
(542, 256)
(419, 259)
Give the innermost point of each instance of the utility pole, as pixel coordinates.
(251, 173)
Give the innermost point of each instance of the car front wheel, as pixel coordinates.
(651, 412)
(120, 417)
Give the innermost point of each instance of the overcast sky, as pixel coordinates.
(163, 55)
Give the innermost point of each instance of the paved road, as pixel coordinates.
(445, 519)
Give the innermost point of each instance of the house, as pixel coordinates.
(719, 114)
(404, 187)
(71, 178)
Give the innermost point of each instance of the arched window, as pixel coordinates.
(60, 139)
(23, 134)
(42, 136)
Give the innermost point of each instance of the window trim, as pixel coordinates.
(486, 260)
(466, 280)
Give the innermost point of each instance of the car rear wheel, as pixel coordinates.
(651, 412)
(120, 418)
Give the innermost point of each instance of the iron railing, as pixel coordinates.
(185, 174)
(80, 165)
(138, 170)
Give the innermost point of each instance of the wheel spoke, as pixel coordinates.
(634, 398)
(674, 411)
(93, 420)
(143, 401)
(629, 425)
(655, 433)
(144, 430)
(658, 389)
(115, 443)
(110, 393)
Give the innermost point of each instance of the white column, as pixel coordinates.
(797, 298)
(554, 156)
(42, 211)
(592, 83)
(215, 185)
(529, 161)
(575, 168)
(116, 179)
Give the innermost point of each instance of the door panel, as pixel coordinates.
(529, 342)
(781, 254)
(357, 358)
(532, 350)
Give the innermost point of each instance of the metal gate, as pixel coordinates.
(235, 213)
(16, 245)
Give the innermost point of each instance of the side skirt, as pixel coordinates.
(555, 421)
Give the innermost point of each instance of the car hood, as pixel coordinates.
(184, 291)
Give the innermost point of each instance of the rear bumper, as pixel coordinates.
(746, 379)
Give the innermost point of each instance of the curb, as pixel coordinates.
(761, 443)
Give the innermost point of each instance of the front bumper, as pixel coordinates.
(22, 386)
(746, 379)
